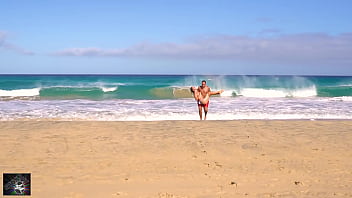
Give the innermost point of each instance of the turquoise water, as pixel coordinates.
(167, 97)
(107, 87)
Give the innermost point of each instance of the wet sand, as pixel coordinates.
(181, 158)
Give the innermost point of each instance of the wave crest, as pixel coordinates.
(20, 92)
(109, 89)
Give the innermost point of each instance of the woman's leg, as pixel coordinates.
(204, 100)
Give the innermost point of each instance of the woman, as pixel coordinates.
(203, 99)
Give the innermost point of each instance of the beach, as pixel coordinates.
(243, 158)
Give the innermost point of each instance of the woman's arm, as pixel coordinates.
(216, 92)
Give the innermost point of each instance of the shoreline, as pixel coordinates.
(195, 120)
(218, 158)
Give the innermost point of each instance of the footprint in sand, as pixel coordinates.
(251, 146)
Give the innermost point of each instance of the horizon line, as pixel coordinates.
(129, 74)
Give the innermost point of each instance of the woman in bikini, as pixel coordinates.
(199, 97)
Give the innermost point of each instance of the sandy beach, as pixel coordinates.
(181, 158)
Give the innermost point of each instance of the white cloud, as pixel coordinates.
(4, 44)
(295, 48)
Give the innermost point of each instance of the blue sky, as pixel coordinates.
(176, 37)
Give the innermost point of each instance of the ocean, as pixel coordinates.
(167, 97)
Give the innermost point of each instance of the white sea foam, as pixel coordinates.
(262, 93)
(20, 92)
(108, 89)
(278, 93)
(228, 93)
(305, 92)
(221, 108)
(342, 98)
